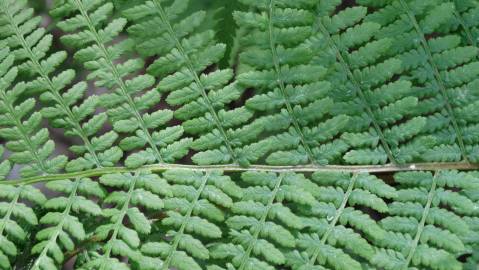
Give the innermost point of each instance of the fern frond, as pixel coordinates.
(64, 221)
(5, 165)
(441, 69)
(31, 45)
(16, 220)
(262, 223)
(365, 89)
(465, 22)
(182, 57)
(193, 218)
(426, 224)
(292, 95)
(337, 227)
(130, 105)
(189, 219)
(127, 222)
(20, 125)
(16, 216)
(314, 89)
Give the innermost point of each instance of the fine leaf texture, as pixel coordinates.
(131, 99)
(442, 69)
(378, 104)
(62, 226)
(292, 99)
(65, 105)
(29, 143)
(239, 134)
(194, 217)
(184, 219)
(316, 83)
(181, 56)
(126, 222)
(425, 225)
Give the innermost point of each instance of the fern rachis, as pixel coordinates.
(322, 135)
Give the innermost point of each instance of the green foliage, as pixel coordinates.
(337, 232)
(29, 143)
(5, 166)
(192, 219)
(326, 84)
(442, 68)
(377, 103)
(262, 222)
(133, 192)
(194, 216)
(130, 105)
(62, 225)
(181, 56)
(425, 226)
(66, 107)
(292, 93)
(16, 220)
(176, 134)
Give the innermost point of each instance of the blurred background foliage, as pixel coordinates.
(219, 18)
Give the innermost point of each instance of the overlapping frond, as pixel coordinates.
(366, 88)
(182, 57)
(465, 21)
(442, 69)
(291, 101)
(132, 103)
(262, 223)
(16, 218)
(316, 83)
(185, 219)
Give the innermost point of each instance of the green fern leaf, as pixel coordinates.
(130, 99)
(337, 210)
(290, 89)
(63, 227)
(427, 234)
(182, 57)
(441, 68)
(262, 221)
(330, 141)
(133, 192)
(192, 217)
(29, 143)
(31, 47)
(368, 93)
(15, 218)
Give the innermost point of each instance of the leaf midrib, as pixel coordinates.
(161, 167)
